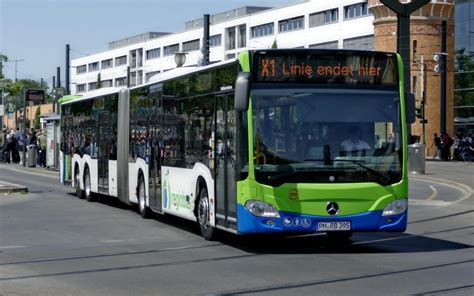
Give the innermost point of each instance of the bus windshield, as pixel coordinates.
(326, 136)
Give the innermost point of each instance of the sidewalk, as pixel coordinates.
(32, 170)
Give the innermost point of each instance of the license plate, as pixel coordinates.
(333, 226)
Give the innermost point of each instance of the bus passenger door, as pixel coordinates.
(104, 147)
(225, 161)
(156, 156)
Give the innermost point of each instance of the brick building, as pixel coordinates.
(425, 40)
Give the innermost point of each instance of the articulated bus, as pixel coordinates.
(276, 141)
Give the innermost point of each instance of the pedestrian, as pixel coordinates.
(19, 142)
(446, 143)
(42, 144)
(437, 145)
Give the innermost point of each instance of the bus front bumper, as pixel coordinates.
(291, 222)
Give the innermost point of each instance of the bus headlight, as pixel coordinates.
(262, 209)
(396, 207)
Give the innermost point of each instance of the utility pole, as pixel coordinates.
(54, 94)
(58, 83)
(442, 121)
(23, 95)
(205, 40)
(423, 97)
(67, 70)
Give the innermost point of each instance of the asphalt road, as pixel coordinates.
(52, 243)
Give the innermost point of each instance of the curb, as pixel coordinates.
(13, 190)
(35, 171)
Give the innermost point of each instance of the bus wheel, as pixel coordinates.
(142, 208)
(207, 231)
(90, 196)
(339, 236)
(77, 179)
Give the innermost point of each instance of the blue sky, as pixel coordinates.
(38, 30)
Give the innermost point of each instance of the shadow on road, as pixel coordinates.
(361, 243)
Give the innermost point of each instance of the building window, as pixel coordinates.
(94, 67)
(325, 45)
(140, 57)
(136, 58)
(262, 30)
(191, 45)
(133, 78)
(106, 83)
(170, 49)
(80, 88)
(355, 10)
(81, 69)
(323, 18)
(120, 61)
(139, 77)
(292, 24)
(92, 86)
(106, 64)
(153, 53)
(121, 81)
(215, 40)
(150, 75)
(242, 36)
(230, 38)
(361, 43)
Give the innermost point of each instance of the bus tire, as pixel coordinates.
(203, 215)
(143, 210)
(77, 187)
(339, 236)
(90, 196)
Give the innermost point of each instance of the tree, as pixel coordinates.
(37, 117)
(14, 89)
(99, 81)
(3, 58)
(275, 45)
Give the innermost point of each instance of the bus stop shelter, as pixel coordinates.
(51, 124)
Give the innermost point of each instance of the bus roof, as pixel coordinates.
(182, 71)
(90, 95)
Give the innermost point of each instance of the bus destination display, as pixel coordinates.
(325, 68)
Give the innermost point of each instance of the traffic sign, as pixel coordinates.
(35, 95)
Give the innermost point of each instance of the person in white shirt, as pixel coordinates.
(354, 143)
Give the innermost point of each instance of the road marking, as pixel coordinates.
(422, 202)
(11, 247)
(434, 194)
(113, 241)
(465, 189)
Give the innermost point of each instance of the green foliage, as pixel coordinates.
(3, 58)
(37, 117)
(99, 81)
(14, 90)
(275, 45)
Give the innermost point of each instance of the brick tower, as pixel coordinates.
(425, 39)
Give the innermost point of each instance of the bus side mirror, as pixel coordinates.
(242, 91)
(410, 108)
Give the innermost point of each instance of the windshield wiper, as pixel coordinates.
(359, 163)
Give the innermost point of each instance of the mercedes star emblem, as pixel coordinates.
(332, 208)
